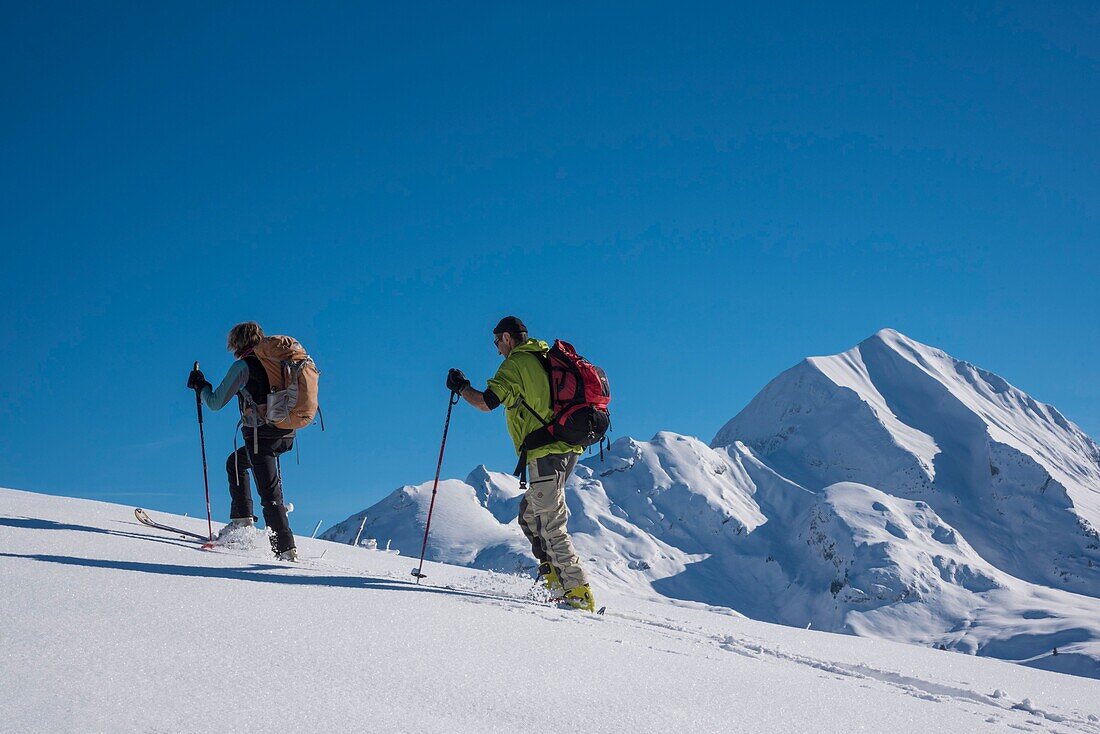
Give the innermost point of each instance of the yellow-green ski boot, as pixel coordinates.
(550, 579)
(580, 597)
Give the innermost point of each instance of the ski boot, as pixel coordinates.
(580, 597)
(549, 577)
(290, 554)
(235, 524)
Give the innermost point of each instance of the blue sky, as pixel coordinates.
(697, 196)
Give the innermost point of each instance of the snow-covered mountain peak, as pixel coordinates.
(899, 341)
(908, 382)
(1012, 474)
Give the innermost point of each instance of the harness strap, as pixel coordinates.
(236, 459)
(521, 468)
(535, 440)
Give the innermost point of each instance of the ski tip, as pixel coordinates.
(601, 611)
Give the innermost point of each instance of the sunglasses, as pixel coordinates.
(497, 339)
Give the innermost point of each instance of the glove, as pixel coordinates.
(456, 381)
(197, 381)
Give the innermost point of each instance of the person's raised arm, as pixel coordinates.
(234, 380)
(483, 401)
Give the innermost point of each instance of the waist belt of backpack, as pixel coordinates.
(246, 399)
(535, 440)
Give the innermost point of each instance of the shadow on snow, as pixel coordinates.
(257, 573)
(34, 523)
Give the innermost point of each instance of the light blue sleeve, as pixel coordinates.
(233, 381)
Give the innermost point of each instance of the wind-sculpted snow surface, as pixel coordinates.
(890, 491)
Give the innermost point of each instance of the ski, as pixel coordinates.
(551, 603)
(143, 517)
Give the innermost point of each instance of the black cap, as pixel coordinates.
(510, 325)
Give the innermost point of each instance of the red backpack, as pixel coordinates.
(579, 394)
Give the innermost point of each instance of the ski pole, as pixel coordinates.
(205, 480)
(419, 571)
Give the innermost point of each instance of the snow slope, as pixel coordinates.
(889, 491)
(109, 626)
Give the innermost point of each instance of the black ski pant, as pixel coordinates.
(263, 460)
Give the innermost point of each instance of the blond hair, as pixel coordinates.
(243, 337)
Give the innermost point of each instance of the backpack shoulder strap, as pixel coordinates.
(533, 412)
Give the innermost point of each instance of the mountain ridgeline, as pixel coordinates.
(889, 491)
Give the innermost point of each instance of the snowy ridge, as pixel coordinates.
(101, 612)
(889, 491)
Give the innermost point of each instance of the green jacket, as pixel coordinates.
(522, 376)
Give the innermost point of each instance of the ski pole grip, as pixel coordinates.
(198, 400)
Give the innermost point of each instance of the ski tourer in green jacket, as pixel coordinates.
(522, 385)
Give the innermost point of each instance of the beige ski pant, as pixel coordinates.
(543, 516)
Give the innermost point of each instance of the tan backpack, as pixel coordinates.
(292, 402)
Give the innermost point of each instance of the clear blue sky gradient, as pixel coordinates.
(697, 195)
